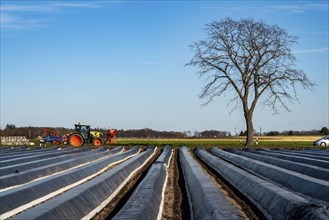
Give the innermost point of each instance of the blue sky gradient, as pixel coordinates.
(120, 64)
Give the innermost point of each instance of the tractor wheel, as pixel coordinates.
(98, 142)
(76, 140)
(57, 142)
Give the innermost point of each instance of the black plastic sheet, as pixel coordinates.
(296, 153)
(304, 184)
(206, 200)
(310, 161)
(145, 201)
(17, 153)
(83, 199)
(317, 155)
(17, 197)
(273, 201)
(29, 162)
(310, 170)
(25, 176)
(165, 155)
(321, 152)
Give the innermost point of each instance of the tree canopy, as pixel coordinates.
(249, 60)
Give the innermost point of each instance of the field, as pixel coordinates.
(163, 182)
(263, 141)
(227, 142)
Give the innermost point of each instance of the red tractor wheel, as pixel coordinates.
(76, 140)
(98, 142)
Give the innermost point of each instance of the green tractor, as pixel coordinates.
(83, 135)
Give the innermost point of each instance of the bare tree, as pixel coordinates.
(249, 60)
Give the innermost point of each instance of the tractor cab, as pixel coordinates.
(84, 130)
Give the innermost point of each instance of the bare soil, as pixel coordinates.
(173, 195)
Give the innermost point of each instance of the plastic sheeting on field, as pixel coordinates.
(147, 200)
(300, 154)
(310, 170)
(34, 193)
(165, 156)
(307, 185)
(83, 200)
(310, 161)
(206, 200)
(33, 157)
(274, 202)
(18, 167)
(37, 172)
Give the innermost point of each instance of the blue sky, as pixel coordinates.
(120, 64)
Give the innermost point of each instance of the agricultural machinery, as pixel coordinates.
(111, 135)
(51, 136)
(83, 135)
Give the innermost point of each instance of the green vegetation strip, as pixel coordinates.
(289, 142)
(192, 143)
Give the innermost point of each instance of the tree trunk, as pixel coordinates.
(250, 129)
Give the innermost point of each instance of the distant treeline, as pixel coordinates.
(322, 131)
(34, 132)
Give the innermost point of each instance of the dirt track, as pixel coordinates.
(173, 194)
